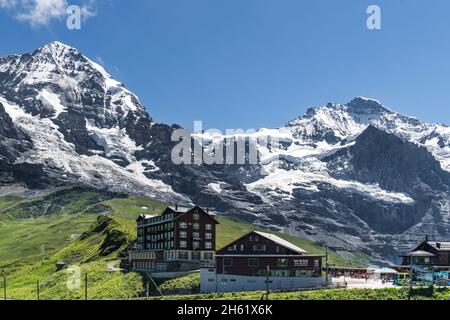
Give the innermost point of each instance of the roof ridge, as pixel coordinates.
(281, 241)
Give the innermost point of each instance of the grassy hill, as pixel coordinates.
(89, 229)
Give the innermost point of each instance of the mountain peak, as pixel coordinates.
(58, 44)
(56, 47)
(362, 104)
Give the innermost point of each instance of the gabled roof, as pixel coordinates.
(198, 209)
(281, 242)
(440, 245)
(179, 209)
(145, 216)
(178, 212)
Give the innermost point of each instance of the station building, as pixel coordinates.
(258, 261)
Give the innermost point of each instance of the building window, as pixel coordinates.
(283, 262)
(208, 226)
(208, 256)
(208, 245)
(183, 255)
(183, 225)
(196, 226)
(183, 234)
(232, 248)
(228, 262)
(195, 255)
(242, 247)
(183, 244)
(259, 247)
(196, 235)
(253, 262)
(196, 245)
(303, 273)
(208, 236)
(196, 216)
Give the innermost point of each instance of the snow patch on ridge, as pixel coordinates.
(115, 141)
(51, 100)
(281, 183)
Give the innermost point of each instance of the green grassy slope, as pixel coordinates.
(88, 229)
(26, 241)
(92, 251)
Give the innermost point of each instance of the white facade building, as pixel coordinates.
(210, 281)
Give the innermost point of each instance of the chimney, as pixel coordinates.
(426, 238)
(176, 207)
(438, 245)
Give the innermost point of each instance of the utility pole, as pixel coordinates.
(38, 293)
(85, 286)
(411, 277)
(267, 282)
(326, 265)
(154, 283)
(4, 287)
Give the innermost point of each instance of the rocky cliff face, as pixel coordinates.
(352, 175)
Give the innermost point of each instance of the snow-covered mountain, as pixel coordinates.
(352, 175)
(77, 120)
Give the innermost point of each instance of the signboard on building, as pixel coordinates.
(300, 262)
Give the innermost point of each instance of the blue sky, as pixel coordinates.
(258, 63)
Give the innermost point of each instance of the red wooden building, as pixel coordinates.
(246, 263)
(179, 239)
(251, 254)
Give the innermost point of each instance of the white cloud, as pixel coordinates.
(41, 12)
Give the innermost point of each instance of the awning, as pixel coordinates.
(418, 253)
(385, 271)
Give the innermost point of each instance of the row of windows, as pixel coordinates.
(161, 236)
(195, 226)
(195, 244)
(255, 247)
(196, 235)
(254, 262)
(281, 262)
(161, 245)
(142, 255)
(161, 227)
(287, 273)
(149, 265)
(184, 255)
